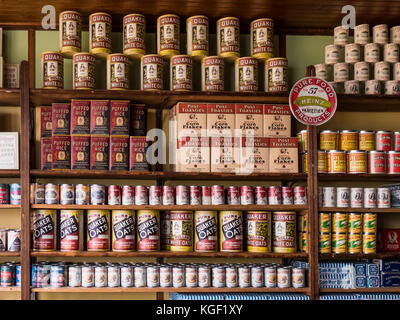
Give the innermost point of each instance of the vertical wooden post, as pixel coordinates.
(31, 56)
(24, 170)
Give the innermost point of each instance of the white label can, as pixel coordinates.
(244, 276)
(204, 276)
(343, 197)
(382, 71)
(380, 34)
(361, 71)
(153, 276)
(340, 36)
(356, 197)
(374, 86)
(165, 276)
(329, 197)
(87, 276)
(218, 277)
(270, 277)
(75, 276)
(371, 52)
(191, 276)
(391, 52)
(126, 276)
(352, 53)
(392, 87)
(395, 34)
(100, 276)
(257, 277)
(140, 276)
(322, 71)
(352, 87)
(341, 72)
(361, 34)
(383, 197)
(113, 276)
(332, 54)
(178, 276)
(231, 277)
(396, 71)
(369, 197)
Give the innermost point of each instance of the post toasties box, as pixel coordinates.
(193, 154)
(99, 152)
(225, 154)
(277, 121)
(80, 116)
(61, 117)
(249, 119)
(254, 155)
(99, 117)
(283, 155)
(190, 118)
(220, 119)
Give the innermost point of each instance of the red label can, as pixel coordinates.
(217, 195)
(393, 162)
(233, 195)
(168, 196)
(260, 195)
(98, 230)
(384, 141)
(182, 195)
(397, 141)
(377, 162)
(114, 195)
(128, 195)
(154, 195)
(206, 195)
(300, 195)
(70, 230)
(148, 230)
(4, 194)
(141, 197)
(44, 230)
(287, 196)
(246, 195)
(195, 195)
(123, 226)
(274, 195)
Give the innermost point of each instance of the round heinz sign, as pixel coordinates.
(312, 101)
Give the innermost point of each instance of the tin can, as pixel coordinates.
(52, 70)
(382, 71)
(287, 196)
(395, 34)
(357, 161)
(302, 140)
(396, 71)
(181, 73)
(393, 162)
(329, 197)
(361, 71)
(14, 240)
(246, 74)
(380, 34)
(274, 195)
(377, 162)
(369, 197)
(361, 34)
(82, 194)
(153, 276)
(325, 242)
(38, 192)
(262, 36)
(3, 239)
(18, 275)
(70, 33)
(100, 34)
(325, 225)
(369, 222)
(152, 72)
(322, 71)
(168, 196)
(352, 52)
(98, 225)
(366, 140)
(197, 36)
(372, 53)
(58, 276)
(258, 231)
(383, 198)
(67, 194)
(340, 36)
(217, 195)
(140, 275)
(165, 230)
(113, 276)
(392, 87)
(148, 228)
(168, 34)
(356, 197)
(276, 70)
(117, 72)
(191, 276)
(352, 87)
(369, 243)
(71, 230)
(84, 71)
(15, 193)
(218, 277)
(123, 226)
(284, 232)
(74, 276)
(41, 278)
(165, 276)
(246, 195)
(270, 276)
(6, 275)
(298, 278)
(257, 276)
(182, 230)
(178, 276)
(355, 223)
(339, 222)
(302, 223)
(231, 231)
(300, 195)
(52, 193)
(204, 277)
(206, 231)
(100, 276)
(244, 276)
(329, 140)
(212, 74)
(391, 52)
(141, 196)
(284, 277)
(154, 195)
(231, 275)
(348, 140)
(195, 195)
(206, 195)
(233, 195)
(336, 161)
(128, 195)
(44, 230)
(339, 242)
(332, 54)
(182, 195)
(134, 32)
(343, 197)
(97, 194)
(228, 38)
(373, 87)
(34, 278)
(341, 72)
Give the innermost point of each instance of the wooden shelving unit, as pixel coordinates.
(362, 290)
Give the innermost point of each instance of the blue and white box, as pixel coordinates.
(390, 280)
(388, 265)
(372, 269)
(373, 281)
(361, 281)
(360, 269)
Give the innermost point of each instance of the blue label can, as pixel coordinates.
(34, 275)
(43, 275)
(18, 275)
(15, 193)
(58, 276)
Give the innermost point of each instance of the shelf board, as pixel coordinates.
(233, 176)
(9, 173)
(368, 103)
(169, 254)
(9, 97)
(361, 290)
(10, 289)
(9, 254)
(378, 255)
(362, 210)
(358, 177)
(169, 289)
(172, 207)
(10, 206)
(154, 99)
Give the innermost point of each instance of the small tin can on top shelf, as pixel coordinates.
(197, 37)
(70, 33)
(100, 34)
(134, 31)
(168, 33)
(262, 38)
(228, 38)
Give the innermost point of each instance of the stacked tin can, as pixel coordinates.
(10, 193)
(10, 274)
(10, 240)
(365, 66)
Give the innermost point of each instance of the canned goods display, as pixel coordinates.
(377, 162)
(372, 53)
(284, 232)
(4, 194)
(181, 230)
(82, 194)
(258, 231)
(369, 243)
(339, 222)
(322, 71)
(197, 36)
(340, 36)
(231, 231)
(13, 240)
(134, 32)
(52, 193)
(343, 197)
(97, 194)
(393, 162)
(246, 74)
(67, 194)
(233, 195)
(336, 161)
(361, 71)
(354, 243)
(329, 140)
(212, 74)
(168, 33)
(154, 195)
(325, 224)
(341, 72)
(332, 54)
(366, 140)
(206, 231)
(352, 52)
(276, 71)
(348, 140)
(98, 230)
(52, 70)
(228, 38)
(361, 34)
(181, 73)
(100, 34)
(355, 223)
(84, 71)
(141, 195)
(369, 223)
(339, 242)
(325, 242)
(123, 230)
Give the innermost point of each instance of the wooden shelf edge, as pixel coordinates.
(10, 206)
(9, 254)
(9, 173)
(10, 289)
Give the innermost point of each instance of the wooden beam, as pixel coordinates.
(31, 56)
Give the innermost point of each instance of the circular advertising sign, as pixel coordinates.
(312, 101)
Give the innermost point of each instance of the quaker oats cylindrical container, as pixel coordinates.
(322, 71)
(70, 33)
(117, 72)
(262, 38)
(352, 53)
(228, 38)
(332, 54)
(352, 87)
(100, 34)
(246, 74)
(382, 71)
(395, 34)
(372, 87)
(361, 34)
(340, 36)
(84, 71)
(181, 73)
(372, 52)
(152, 72)
(391, 52)
(392, 87)
(134, 32)
(361, 71)
(197, 37)
(341, 72)
(380, 34)
(168, 35)
(212, 74)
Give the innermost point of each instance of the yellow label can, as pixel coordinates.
(348, 140)
(369, 242)
(259, 231)
(197, 37)
(100, 34)
(181, 231)
(354, 242)
(325, 242)
(328, 140)
(355, 222)
(339, 242)
(369, 222)
(325, 225)
(339, 222)
(168, 33)
(284, 232)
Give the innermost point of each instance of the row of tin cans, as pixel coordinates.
(10, 274)
(340, 222)
(10, 240)
(354, 197)
(369, 87)
(380, 34)
(348, 140)
(10, 193)
(127, 275)
(96, 194)
(347, 243)
(147, 230)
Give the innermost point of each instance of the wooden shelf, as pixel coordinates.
(10, 206)
(358, 177)
(233, 176)
(362, 210)
(361, 290)
(174, 207)
(368, 103)
(378, 255)
(170, 289)
(155, 99)
(10, 289)
(9, 254)
(9, 97)
(169, 254)
(9, 173)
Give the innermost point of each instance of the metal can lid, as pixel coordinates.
(383, 132)
(366, 131)
(348, 131)
(357, 151)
